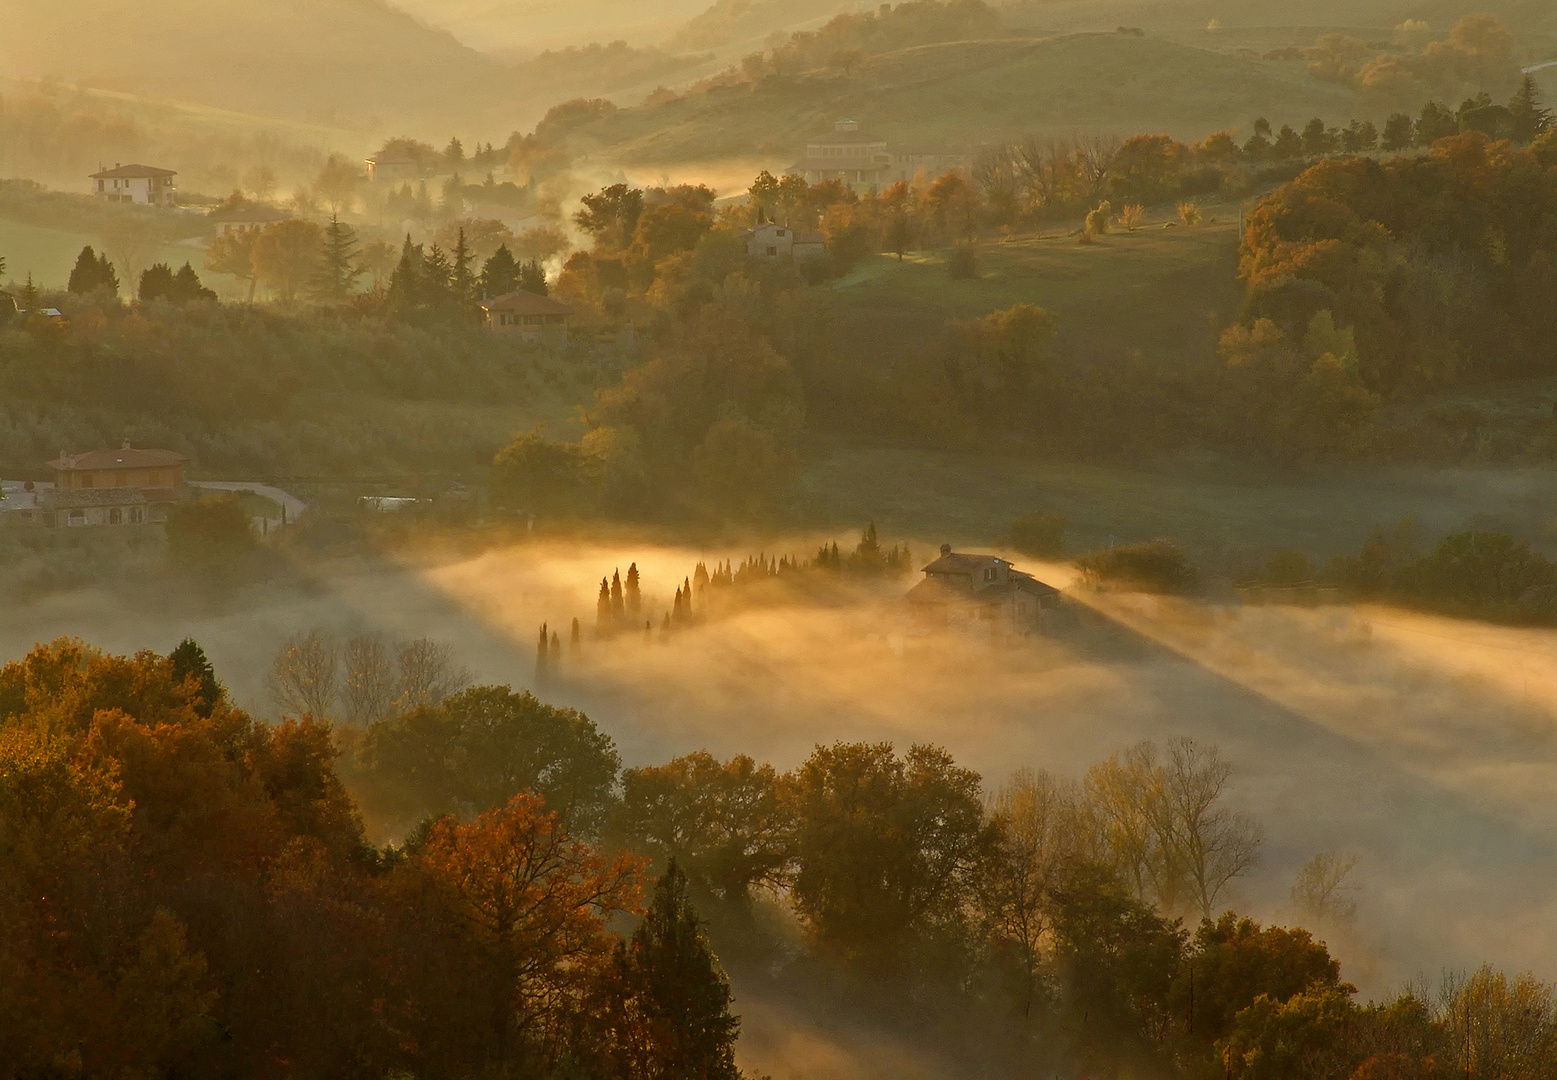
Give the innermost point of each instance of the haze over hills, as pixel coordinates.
(324, 61)
(530, 26)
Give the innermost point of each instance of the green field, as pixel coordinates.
(1162, 292)
(48, 254)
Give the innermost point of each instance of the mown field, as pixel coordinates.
(48, 254)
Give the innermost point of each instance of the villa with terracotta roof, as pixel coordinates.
(144, 185)
(529, 317)
(246, 215)
(127, 486)
(962, 588)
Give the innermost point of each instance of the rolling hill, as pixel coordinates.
(973, 91)
(323, 61)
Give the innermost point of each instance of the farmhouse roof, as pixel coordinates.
(526, 303)
(957, 562)
(123, 458)
(132, 172)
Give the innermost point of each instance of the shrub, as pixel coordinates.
(963, 262)
(1155, 566)
(1131, 216)
(1097, 220)
(1189, 212)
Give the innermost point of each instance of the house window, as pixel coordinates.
(137, 515)
(115, 516)
(989, 573)
(78, 517)
(772, 251)
(779, 232)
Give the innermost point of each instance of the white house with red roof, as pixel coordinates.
(144, 185)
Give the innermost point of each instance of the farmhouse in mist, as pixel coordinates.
(866, 162)
(771, 242)
(965, 589)
(144, 185)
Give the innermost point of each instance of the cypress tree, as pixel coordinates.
(576, 638)
(603, 608)
(540, 653)
(556, 646)
(618, 605)
(631, 593)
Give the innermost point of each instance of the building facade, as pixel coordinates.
(128, 486)
(865, 162)
(143, 185)
(774, 243)
(528, 317)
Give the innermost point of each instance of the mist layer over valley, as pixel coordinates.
(1424, 745)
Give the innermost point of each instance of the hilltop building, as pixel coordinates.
(963, 589)
(529, 317)
(865, 162)
(140, 184)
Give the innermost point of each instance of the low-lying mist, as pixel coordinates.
(1421, 744)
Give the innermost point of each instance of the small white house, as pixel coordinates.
(143, 185)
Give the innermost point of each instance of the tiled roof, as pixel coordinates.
(526, 303)
(132, 172)
(123, 458)
(959, 563)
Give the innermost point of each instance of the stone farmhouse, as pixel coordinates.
(127, 486)
(140, 184)
(965, 589)
(774, 243)
(245, 216)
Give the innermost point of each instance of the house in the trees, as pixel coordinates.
(960, 589)
(143, 185)
(866, 162)
(127, 486)
(528, 317)
(246, 215)
(771, 242)
(393, 168)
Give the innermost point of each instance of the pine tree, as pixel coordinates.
(532, 278)
(462, 280)
(84, 275)
(405, 284)
(1530, 119)
(189, 662)
(338, 270)
(631, 593)
(500, 275)
(156, 283)
(188, 287)
(29, 297)
(678, 998)
(437, 276)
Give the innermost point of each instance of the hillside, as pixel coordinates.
(530, 26)
(972, 91)
(325, 61)
(732, 25)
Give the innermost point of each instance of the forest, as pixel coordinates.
(204, 880)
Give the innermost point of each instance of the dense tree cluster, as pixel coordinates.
(1368, 281)
(189, 892)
